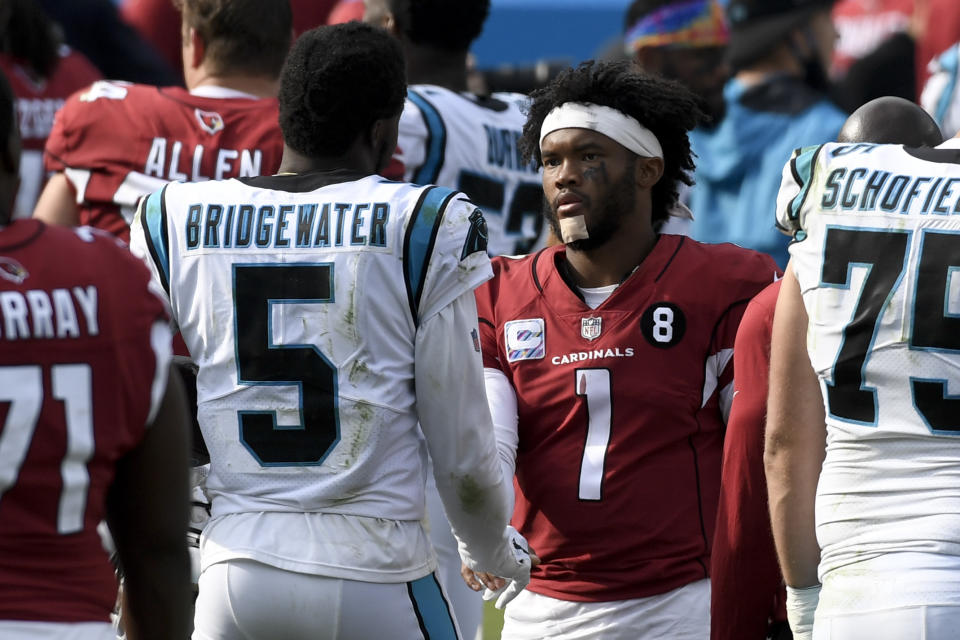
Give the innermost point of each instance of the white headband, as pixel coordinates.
(614, 124)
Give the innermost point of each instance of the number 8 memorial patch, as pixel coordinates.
(663, 324)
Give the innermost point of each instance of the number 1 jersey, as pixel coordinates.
(621, 412)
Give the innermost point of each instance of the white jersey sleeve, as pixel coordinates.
(794, 186)
(456, 423)
(447, 248)
(412, 139)
(940, 97)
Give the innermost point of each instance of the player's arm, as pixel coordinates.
(795, 447)
(147, 511)
(744, 574)
(502, 402)
(452, 406)
(57, 203)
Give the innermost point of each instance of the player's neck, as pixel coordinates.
(429, 66)
(260, 86)
(355, 160)
(612, 262)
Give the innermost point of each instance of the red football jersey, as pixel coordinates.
(748, 592)
(37, 101)
(79, 377)
(117, 142)
(620, 420)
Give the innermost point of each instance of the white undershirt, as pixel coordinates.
(595, 296)
(216, 91)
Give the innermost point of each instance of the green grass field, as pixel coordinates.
(492, 621)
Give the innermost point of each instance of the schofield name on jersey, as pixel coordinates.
(868, 189)
(171, 160)
(38, 313)
(328, 225)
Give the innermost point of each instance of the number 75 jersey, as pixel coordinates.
(300, 302)
(876, 252)
(621, 412)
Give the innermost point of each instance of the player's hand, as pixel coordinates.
(504, 590)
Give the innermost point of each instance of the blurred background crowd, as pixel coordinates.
(772, 74)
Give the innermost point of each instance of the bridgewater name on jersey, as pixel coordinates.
(117, 142)
(84, 353)
(471, 143)
(621, 412)
(876, 251)
(304, 330)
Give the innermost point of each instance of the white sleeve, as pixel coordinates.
(502, 400)
(138, 242)
(795, 183)
(412, 139)
(455, 420)
(939, 95)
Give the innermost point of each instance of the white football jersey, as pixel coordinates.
(876, 251)
(471, 143)
(940, 97)
(300, 303)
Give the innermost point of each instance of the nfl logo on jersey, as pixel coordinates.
(210, 121)
(590, 328)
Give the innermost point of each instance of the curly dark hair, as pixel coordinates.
(338, 80)
(450, 25)
(665, 107)
(241, 36)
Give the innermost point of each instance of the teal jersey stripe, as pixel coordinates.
(432, 609)
(803, 166)
(436, 140)
(154, 220)
(420, 238)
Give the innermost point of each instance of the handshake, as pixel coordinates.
(511, 573)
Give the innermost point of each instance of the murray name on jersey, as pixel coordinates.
(54, 314)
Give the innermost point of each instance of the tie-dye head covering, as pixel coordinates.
(693, 23)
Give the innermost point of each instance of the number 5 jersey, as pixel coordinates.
(302, 302)
(876, 252)
(621, 412)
